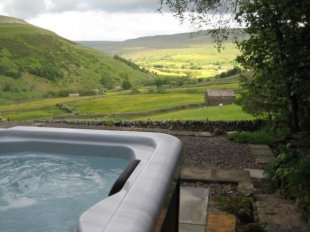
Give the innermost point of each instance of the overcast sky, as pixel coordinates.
(96, 19)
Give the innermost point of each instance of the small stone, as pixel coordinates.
(256, 173)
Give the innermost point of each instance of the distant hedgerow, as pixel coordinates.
(131, 64)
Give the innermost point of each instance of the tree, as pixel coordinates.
(277, 52)
(126, 83)
(107, 81)
(218, 14)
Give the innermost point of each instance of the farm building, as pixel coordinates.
(74, 94)
(217, 97)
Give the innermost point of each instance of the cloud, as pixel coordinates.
(95, 19)
(100, 25)
(23, 9)
(106, 5)
(32, 8)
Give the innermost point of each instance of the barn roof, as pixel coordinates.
(220, 93)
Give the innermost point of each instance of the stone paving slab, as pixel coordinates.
(266, 152)
(242, 177)
(263, 159)
(262, 153)
(273, 211)
(246, 188)
(259, 146)
(191, 228)
(214, 174)
(188, 133)
(203, 134)
(281, 228)
(256, 173)
(193, 205)
(221, 223)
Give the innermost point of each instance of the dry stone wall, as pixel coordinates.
(211, 126)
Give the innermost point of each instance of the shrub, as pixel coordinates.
(256, 137)
(47, 72)
(160, 90)
(130, 63)
(126, 84)
(251, 227)
(290, 173)
(135, 90)
(10, 72)
(151, 90)
(231, 72)
(238, 205)
(87, 92)
(218, 131)
(7, 87)
(62, 93)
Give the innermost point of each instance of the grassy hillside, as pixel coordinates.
(37, 63)
(187, 54)
(181, 40)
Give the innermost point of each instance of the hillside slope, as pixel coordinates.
(38, 63)
(185, 55)
(181, 40)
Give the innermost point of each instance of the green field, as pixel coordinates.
(33, 114)
(123, 102)
(186, 54)
(118, 104)
(231, 85)
(197, 61)
(36, 104)
(211, 113)
(111, 104)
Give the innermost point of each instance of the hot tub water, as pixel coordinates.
(42, 192)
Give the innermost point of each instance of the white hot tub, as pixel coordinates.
(146, 195)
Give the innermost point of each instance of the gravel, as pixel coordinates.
(216, 152)
(216, 190)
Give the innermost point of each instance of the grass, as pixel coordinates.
(116, 104)
(242, 208)
(238, 205)
(202, 89)
(120, 102)
(256, 137)
(36, 104)
(32, 114)
(212, 113)
(264, 136)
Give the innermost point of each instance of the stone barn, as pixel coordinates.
(218, 97)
